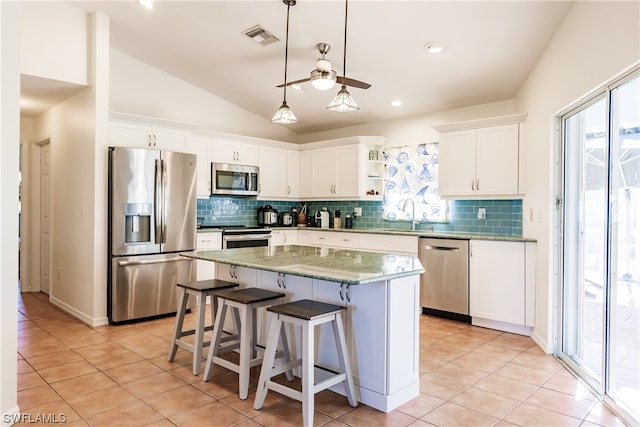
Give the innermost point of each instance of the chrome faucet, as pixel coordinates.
(413, 212)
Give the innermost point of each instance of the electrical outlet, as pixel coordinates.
(357, 211)
(482, 213)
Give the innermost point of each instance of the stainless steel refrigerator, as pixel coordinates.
(152, 217)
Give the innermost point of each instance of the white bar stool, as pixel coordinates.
(201, 290)
(308, 314)
(244, 303)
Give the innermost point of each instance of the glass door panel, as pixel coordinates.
(600, 245)
(624, 362)
(584, 250)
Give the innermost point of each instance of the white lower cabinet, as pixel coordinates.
(363, 241)
(389, 243)
(245, 277)
(206, 270)
(284, 237)
(501, 284)
(336, 240)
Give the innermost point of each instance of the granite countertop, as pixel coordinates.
(337, 265)
(400, 232)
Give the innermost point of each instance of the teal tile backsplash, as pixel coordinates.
(503, 217)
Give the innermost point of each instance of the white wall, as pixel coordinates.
(71, 129)
(596, 41)
(77, 130)
(9, 142)
(138, 88)
(53, 36)
(416, 129)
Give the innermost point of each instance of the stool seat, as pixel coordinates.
(307, 314)
(250, 295)
(201, 289)
(305, 309)
(208, 285)
(244, 304)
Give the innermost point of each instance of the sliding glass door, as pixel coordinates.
(600, 244)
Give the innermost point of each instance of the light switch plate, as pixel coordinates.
(357, 211)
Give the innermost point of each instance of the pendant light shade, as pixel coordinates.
(284, 115)
(343, 101)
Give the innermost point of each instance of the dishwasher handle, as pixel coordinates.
(441, 248)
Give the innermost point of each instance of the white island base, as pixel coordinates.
(381, 325)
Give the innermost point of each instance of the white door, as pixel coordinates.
(45, 218)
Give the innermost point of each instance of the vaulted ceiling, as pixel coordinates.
(489, 49)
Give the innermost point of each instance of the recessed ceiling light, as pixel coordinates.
(396, 103)
(433, 48)
(146, 3)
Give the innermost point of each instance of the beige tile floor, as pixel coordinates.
(119, 375)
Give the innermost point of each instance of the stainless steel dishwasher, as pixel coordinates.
(444, 286)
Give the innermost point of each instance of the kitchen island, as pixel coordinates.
(380, 291)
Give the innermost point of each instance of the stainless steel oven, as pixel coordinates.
(245, 237)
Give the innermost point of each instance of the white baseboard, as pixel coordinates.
(502, 326)
(542, 343)
(83, 317)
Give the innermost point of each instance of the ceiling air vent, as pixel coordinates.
(260, 35)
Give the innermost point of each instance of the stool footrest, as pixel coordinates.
(193, 331)
(234, 366)
(283, 389)
(329, 382)
(277, 370)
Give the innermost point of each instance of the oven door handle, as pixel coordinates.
(246, 237)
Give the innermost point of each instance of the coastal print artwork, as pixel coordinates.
(412, 172)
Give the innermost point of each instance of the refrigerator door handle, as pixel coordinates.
(164, 202)
(157, 213)
(152, 261)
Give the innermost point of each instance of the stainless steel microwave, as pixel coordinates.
(234, 180)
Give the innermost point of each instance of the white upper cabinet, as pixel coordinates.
(201, 147)
(279, 173)
(482, 161)
(224, 151)
(340, 172)
(147, 135)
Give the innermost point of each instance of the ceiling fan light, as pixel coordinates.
(323, 81)
(343, 102)
(284, 115)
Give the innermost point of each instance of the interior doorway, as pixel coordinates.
(38, 214)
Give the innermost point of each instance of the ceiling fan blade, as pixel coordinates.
(353, 83)
(295, 82)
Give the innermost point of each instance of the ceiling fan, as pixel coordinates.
(323, 77)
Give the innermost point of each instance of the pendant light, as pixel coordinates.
(343, 101)
(284, 115)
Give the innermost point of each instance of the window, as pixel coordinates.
(411, 172)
